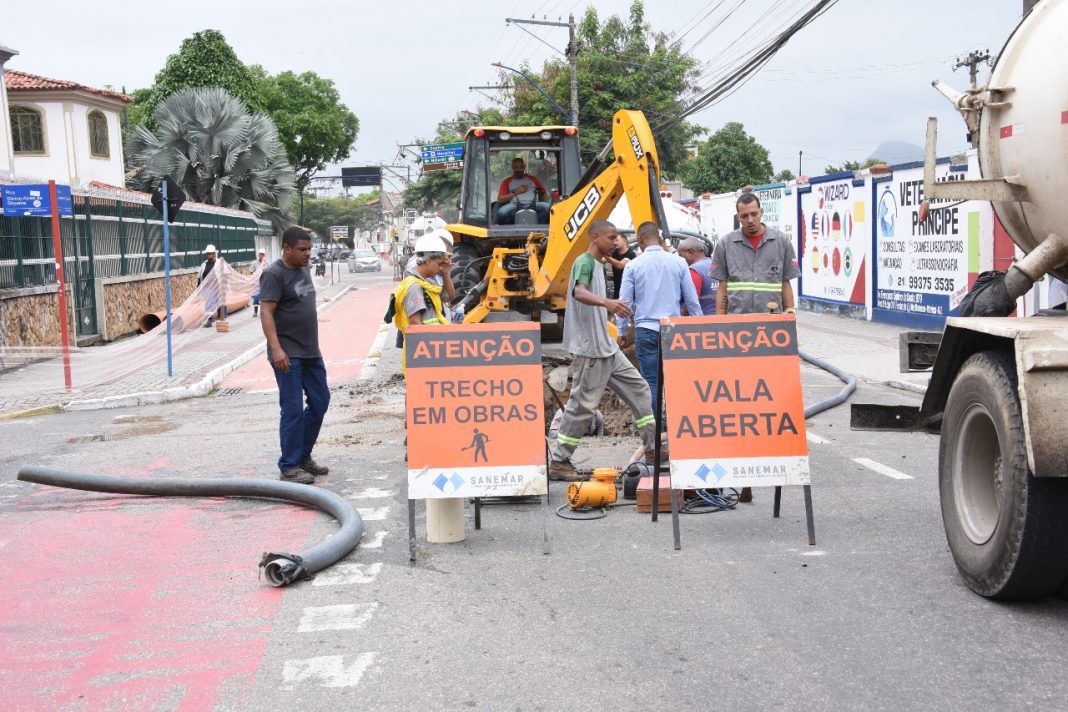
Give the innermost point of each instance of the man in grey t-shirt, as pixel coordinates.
(598, 362)
(291, 325)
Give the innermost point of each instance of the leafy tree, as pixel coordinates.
(851, 166)
(313, 124)
(622, 64)
(357, 212)
(728, 160)
(784, 175)
(219, 153)
(205, 59)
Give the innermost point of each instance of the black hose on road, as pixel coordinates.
(828, 403)
(279, 569)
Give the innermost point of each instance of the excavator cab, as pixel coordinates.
(549, 156)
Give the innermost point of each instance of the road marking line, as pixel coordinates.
(381, 477)
(815, 439)
(329, 670)
(347, 616)
(881, 468)
(375, 543)
(372, 493)
(343, 574)
(373, 515)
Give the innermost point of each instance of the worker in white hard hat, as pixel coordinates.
(418, 298)
(212, 307)
(444, 277)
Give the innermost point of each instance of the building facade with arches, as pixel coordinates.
(59, 129)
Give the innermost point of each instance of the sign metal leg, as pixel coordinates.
(478, 513)
(411, 530)
(675, 520)
(546, 546)
(809, 520)
(778, 500)
(658, 419)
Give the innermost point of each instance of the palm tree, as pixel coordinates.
(219, 152)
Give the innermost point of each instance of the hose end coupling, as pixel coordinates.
(283, 569)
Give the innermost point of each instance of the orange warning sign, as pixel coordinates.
(475, 411)
(735, 412)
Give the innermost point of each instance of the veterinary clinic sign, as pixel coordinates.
(734, 405)
(475, 414)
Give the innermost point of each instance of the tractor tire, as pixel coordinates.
(1006, 528)
(464, 279)
(463, 254)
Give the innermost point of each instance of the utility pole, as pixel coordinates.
(972, 62)
(571, 53)
(572, 60)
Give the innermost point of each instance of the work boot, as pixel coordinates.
(207, 324)
(255, 310)
(746, 495)
(295, 474)
(650, 456)
(565, 472)
(312, 467)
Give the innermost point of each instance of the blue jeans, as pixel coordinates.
(299, 425)
(506, 213)
(647, 347)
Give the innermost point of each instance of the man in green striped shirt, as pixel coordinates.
(754, 265)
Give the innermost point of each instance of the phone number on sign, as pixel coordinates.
(938, 284)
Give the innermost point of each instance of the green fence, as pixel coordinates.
(110, 237)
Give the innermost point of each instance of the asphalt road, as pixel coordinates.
(154, 604)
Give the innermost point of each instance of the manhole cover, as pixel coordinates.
(229, 391)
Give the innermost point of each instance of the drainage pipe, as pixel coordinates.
(279, 569)
(828, 403)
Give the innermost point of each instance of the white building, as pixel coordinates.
(58, 129)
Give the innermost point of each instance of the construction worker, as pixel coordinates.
(417, 299)
(598, 362)
(656, 282)
(754, 266)
(692, 249)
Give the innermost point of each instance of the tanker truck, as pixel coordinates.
(998, 393)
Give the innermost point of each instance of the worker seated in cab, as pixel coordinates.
(521, 197)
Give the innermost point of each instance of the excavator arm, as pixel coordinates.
(535, 277)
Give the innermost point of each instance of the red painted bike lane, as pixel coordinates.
(142, 603)
(346, 332)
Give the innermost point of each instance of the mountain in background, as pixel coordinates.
(894, 152)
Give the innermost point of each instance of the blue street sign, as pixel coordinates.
(25, 200)
(442, 152)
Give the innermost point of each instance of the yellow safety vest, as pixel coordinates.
(400, 317)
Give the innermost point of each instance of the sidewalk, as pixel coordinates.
(208, 359)
(865, 349)
(133, 371)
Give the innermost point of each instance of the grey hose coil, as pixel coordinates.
(279, 569)
(828, 403)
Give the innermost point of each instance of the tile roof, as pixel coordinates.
(15, 80)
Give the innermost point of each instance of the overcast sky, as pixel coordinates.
(858, 76)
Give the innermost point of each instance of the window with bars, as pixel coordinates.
(98, 135)
(27, 130)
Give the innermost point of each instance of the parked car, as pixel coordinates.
(365, 261)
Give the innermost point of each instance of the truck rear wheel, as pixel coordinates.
(1006, 528)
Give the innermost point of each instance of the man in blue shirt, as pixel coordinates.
(656, 282)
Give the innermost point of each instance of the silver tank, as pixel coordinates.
(1026, 139)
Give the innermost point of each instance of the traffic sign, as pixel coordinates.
(30, 200)
(445, 166)
(339, 232)
(442, 152)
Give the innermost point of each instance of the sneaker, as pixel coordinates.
(296, 474)
(311, 466)
(566, 472)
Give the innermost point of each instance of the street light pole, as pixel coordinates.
(571, 54)
(563, 112)
(799, 163)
